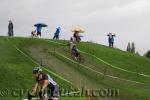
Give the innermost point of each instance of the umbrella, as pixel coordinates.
(78, 29)
(40, 25)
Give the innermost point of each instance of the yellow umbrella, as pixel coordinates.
(78, 29)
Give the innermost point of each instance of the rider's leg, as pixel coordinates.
(42, 97)
(49, 94)
(56, 93)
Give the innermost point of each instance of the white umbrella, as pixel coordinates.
(78, 29)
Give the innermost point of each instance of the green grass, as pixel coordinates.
(116, 58)
(16, 69)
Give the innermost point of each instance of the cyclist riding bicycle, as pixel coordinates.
(47, 83)
(70, 43)
(75, 52)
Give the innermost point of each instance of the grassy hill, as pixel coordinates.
(103, 68)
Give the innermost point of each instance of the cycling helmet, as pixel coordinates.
(37, 69)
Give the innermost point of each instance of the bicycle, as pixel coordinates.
(40, 97)
(77, 56)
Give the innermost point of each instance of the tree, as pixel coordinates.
(137, 53)
(128, 47)
(147, 54)
(133, 48)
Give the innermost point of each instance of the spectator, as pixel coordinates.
(38, 29)
(10, 28)
(56, 34)
(76, 36)
(111, 39)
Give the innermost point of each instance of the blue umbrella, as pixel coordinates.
(40, 25)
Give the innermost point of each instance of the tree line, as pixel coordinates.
(131, 48)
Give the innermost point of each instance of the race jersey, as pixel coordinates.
(71, 44)
(43, 77)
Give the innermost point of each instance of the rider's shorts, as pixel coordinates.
(53, 91)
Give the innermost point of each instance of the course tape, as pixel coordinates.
(114, 77)
(76, 63)
(44, 69)
(39, 64)
(141, 74)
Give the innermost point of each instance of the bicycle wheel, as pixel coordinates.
(80, 59)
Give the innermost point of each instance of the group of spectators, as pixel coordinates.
(75, 37)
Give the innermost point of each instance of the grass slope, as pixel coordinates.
(16, 68)
(16, 73)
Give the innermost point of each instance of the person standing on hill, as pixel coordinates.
(56, 34)
(10, 28)
(38, 30)
(111, 39)
(33, 34)
(76, 36)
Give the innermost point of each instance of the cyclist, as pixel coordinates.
(47, 83)
(75, 52)
(70, 43)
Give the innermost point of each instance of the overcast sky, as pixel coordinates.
(128, 19)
